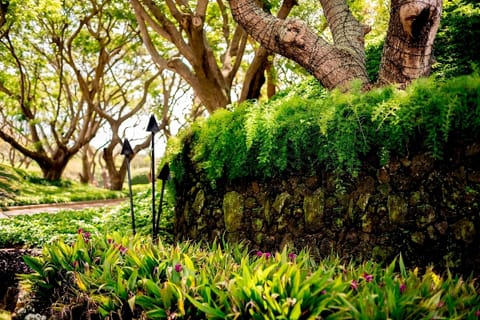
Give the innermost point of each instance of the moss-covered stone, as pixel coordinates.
(199, 201)
(366, 223)
(397, 209)
(418, 237)
(257, 224)
(233, 211)
(313, 207)
(464, 230)
(279, 202)
(362, 201)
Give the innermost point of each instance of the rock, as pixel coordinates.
(313, 207)
(397, 209)
(383, 176)
(362, 201)
(279, 202)
(233, 211)
(442, 227)
(11, 264)
(464, 230)
(474, 177)
(199, 201)
(418, 238)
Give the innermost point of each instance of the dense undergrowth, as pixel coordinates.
(125, 277)
(306, 129)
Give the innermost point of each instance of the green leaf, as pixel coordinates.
(35, 263)
(210, 312)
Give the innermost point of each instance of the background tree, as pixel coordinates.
(134, 103)
(407, 52)
(200, 42)
(77, 64)
(45, 113)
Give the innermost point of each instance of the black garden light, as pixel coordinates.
(153, 128)
(127, 151)
(164, 175)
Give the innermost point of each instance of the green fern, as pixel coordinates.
(305, 130)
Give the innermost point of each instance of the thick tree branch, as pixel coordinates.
(254, 77)
(333, 66)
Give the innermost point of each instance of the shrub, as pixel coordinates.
(140, 179)
(460, 25)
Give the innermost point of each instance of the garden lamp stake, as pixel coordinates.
(128, 152)
(153, 128)
(164, 176)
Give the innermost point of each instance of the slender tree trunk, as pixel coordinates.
(117, 179)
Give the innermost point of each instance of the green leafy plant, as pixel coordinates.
(130, 276)
(17, 231)
(306, 130)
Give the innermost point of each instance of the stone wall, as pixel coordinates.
(427, 210)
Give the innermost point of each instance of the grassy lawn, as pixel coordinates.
(19, 187)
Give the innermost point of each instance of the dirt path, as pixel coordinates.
(55, 207)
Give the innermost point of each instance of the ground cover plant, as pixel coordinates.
(21, 187)
(128, 277)
(17, 231)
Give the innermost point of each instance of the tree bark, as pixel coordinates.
(407, 54)
(255, 76)
(408, 49)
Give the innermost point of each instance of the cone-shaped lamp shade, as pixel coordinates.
(152, 125)
(127, 150)
(164, 173)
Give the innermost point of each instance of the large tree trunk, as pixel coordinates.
(408, 50)
(407, 54)
(52, 170)
(195, 60)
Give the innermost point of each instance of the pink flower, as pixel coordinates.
(323, 292)
(80, 231)
(178, 267)
(292, 256)
(403, 287)
(109, 240)
(259, 253)
(86, 236)
(354, 285)
(477, 314)
(368, 277)
(267, 255)
(122, 249)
